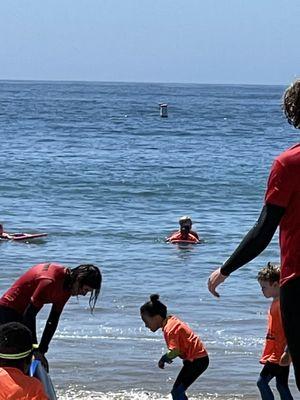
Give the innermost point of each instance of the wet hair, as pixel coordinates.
(15, 339)
(90, 275)
(270, 273)
(291, 104)
(154, 307)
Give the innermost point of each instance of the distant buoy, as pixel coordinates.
(163, 110)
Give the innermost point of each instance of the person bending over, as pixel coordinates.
(181, 342)
(48, 283)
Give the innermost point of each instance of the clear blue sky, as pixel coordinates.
(202, 41)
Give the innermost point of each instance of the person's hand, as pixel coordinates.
(163, 360)
(41, 357)
(285, 359)
(215, 279)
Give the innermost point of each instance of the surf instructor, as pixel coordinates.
(43, 284)
(281, 208)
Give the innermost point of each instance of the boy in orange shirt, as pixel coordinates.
(275, 356)
(15, 356)
(181, 341)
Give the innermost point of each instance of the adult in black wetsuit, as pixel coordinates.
(281, 208)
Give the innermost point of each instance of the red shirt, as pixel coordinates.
(283, 190)
(40, 285)
(275, 340)
(191, 236)
(15, 385)
(179, 336)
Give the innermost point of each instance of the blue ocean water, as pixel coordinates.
(95, 166)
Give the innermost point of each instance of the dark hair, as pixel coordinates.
(15, 339)
(154, 307)
(291, 104)
(270, 273)
(90, 275)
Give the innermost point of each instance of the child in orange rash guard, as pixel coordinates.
(16, 348)
(181, 341)
(185, 232)
(275, 355)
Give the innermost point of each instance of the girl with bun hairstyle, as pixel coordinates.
(181, 342)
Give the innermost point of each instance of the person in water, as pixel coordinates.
(16, 349)
(185, 232)
(48, 283)
(281, 208)
(4, 235)
(275, 356)
(181, 342)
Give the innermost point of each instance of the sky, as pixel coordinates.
(186, 41)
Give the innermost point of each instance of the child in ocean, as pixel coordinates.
(185, 232)
(275, 356)
(181, 341)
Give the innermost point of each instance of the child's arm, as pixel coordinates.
(168, 358)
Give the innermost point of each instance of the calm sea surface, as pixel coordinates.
(95, 166)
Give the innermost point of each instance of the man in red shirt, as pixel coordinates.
(281, 208)
(15, 356)
(47, 283)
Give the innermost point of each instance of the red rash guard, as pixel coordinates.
(40, 285)
(284, 190)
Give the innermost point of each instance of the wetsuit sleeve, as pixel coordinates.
(49, 330)
(173, 354)
(256, 239)
(36, 303)
(29, 319)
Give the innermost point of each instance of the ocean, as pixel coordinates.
(95, 166)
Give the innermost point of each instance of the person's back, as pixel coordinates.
(15, 385)
(15, 355)
(185, 233)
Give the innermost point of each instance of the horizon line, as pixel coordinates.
(139, 82)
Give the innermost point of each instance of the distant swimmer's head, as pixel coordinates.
(84, 279)
(16, 346)
(291, 104)
(185, 223)
(268, 278)
(1, 229)
(153, 313)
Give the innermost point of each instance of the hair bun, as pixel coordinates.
(154, 297)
